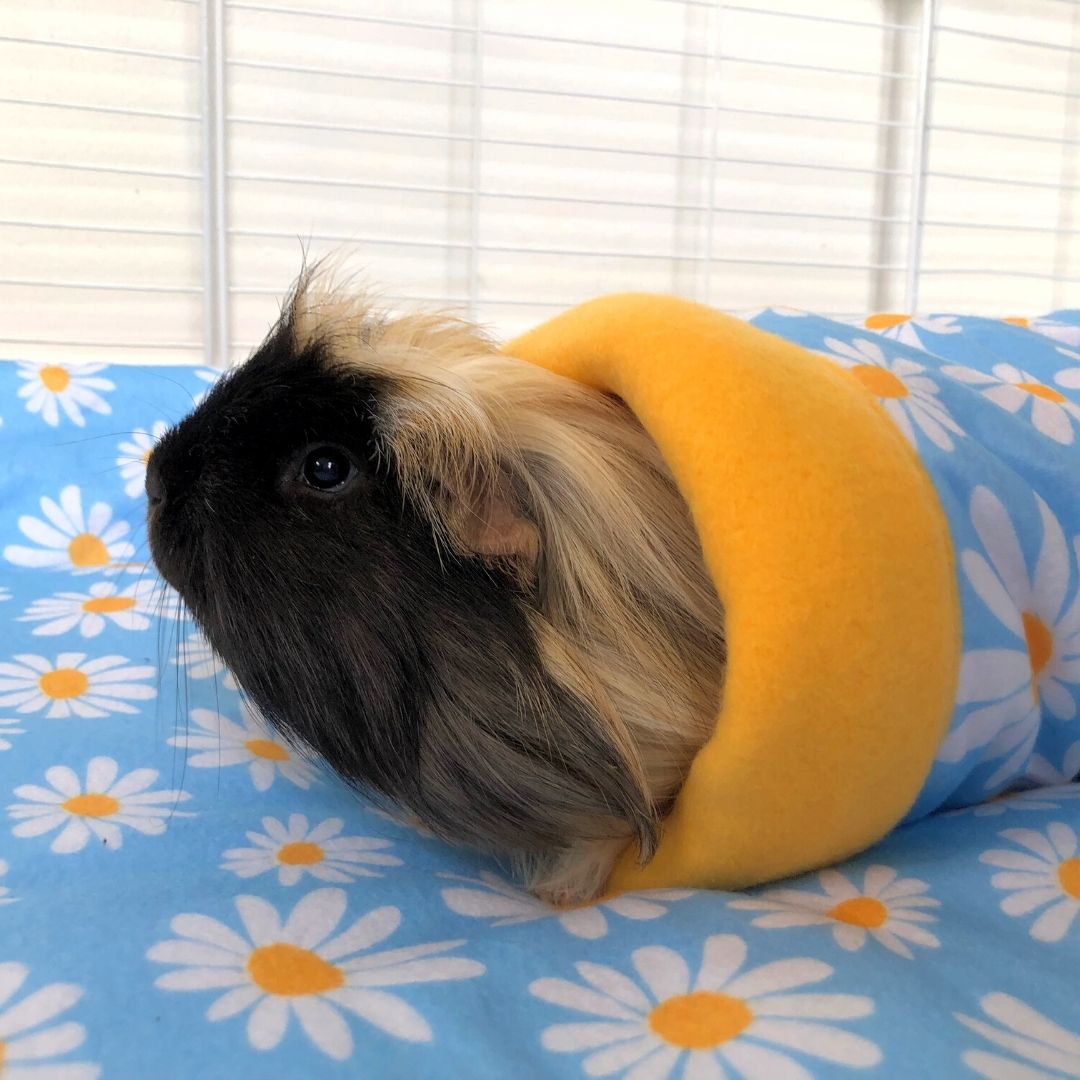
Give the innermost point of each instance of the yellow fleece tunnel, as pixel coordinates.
(824, 535)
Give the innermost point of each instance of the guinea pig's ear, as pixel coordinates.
(493, 527)
(455, 459)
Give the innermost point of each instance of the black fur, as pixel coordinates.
(412, 671)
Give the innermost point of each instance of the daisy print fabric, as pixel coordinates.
(992, 407)
(298, 849)
(885, 908)
(52, 391)
(185, 894)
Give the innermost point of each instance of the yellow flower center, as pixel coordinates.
(54, 378)
(883, 320)
(289, 971)
(300, 853)
(63, 683)
(108, 605)
(879, 382)
(700, 1020)
(1069, 877)
(1040, 647)
(146, 455)
(265, 748)
(3, 1055)
(92, 804)
(862, 911)
(88, 550)
(1047, 393)
(1016, 320)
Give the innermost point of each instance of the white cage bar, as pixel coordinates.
(509, 159)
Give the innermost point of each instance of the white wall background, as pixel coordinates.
(512, 157)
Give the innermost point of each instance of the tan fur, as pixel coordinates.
(563, 487)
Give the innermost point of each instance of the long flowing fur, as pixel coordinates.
(561, 488)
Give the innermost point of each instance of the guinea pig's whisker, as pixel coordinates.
(181, 703)
(107, 470)
(165, 378)
(126, 516)
(178, 781)
(140, 558)
(94, 438)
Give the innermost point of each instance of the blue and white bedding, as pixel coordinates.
(181, 896)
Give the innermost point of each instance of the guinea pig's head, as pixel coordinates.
(345, 521)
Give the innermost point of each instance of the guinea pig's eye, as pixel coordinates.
(326, 468)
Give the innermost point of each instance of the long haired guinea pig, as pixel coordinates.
(468, 584)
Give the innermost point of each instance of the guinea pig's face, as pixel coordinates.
(279, 448)
(274, 517)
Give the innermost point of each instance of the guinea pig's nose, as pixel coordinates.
(155, 485)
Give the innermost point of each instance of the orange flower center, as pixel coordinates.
(88, 550)
(862, 911)
(1069, 877)
(300, 853)
(1016, 320)
(54, 378)
(108, 605)
(879, 382)
(63, 683)
(146, 455)
(265, 748)
(3, 1054)
(1047, 393)
(1040, 647)
(700, 1020)
(289, 971)
(92, 804)
(884, 320)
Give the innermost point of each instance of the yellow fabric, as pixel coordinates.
(832, 556)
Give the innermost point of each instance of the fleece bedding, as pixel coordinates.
(182, 896)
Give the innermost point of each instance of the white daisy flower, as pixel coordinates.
(48, 388)
(1044, 667)
(907, 394)
(1053, 786)
(886, 907)
(1010, 388)
(28, 1043)
(70, 540)
(1032, 800)
(131, 608)
(199, 661)
(1042, 772)
(905, 328)
(99, 807)
(1066, 333)
(1070, 377)
(73, 685)
(1046, 873)
(295, 968)
(135, 453)
(5, 892)
(7, 731)
(297, 849)
(723, 1019)
(218, 742)
(491, 897)
(1038, 1042)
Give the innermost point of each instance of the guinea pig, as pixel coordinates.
(467, 583)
